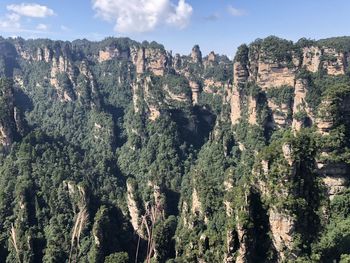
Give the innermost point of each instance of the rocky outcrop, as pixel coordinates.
(334, 62)
(8, 125)
(6, 137)
(142, 93)
(109, 53)
(282, 229)
(312, 58)
(196, 204)
(153, 60)
(133, 208)
(196, 55)
(279, 113)
(235, 106)
(240, 73)
(195, 89)
(272, 74)
(210, 60)
(252, 110)
(302, 115)
(243, 240)
(335, 177)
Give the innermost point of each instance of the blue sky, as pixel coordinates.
(219, 25)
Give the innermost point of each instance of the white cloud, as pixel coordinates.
(235, 11)
(42, 27)
(143, 15)
(31, 10)
(11, 22)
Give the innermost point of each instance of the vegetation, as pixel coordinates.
(103, 164)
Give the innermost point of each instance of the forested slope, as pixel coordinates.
(119, 151)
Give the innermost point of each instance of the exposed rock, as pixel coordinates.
(211, 86)
(252, 111)
(334, 62)
(312, 58)
(62, 65)
(156, 61)
(181, 97)
(230, 242)
(335, 185)
(133, 208)
(6, 137)
(195, 89)
(177, 62)
(334, 176)
(243, 244)
(240, 73)
(196, 55)
(279, 113)
(235, 106)
(44, 54)
(325, 121)
(211, 57)
(210, 60)
(196, 204)
(300, 105)
(138, 58)
(287, 153)
(274, 75)
(112, 53)
(282, 228)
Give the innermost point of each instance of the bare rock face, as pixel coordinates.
(334, 176)
(282, 228)
(240, 78)
(335, 62)
(177, 62)
(300, 105)
(274, 75)
(195, 88)
(210, 60)
(6, 137)
(133, 209)
(62, 65)
(335, 185)
(156, 61)
(252, 111)
(142, 92)
(44, 54)
(211, 86)
(109, 53)
(243, 248)
(7, 120)
(85, 70)
(150, 59)
(312, 58)
(196, 204)
(235, 106)
(325, 120)
(240, 73)
(196, 55)
(279, 113)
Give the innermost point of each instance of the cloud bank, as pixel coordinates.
(143, 15)
(31, 10)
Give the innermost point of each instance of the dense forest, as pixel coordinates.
(118, 151)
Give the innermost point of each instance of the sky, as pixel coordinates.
(215, 25)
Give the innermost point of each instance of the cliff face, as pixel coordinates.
(279, 78)
(190, 158)
(10, 119)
